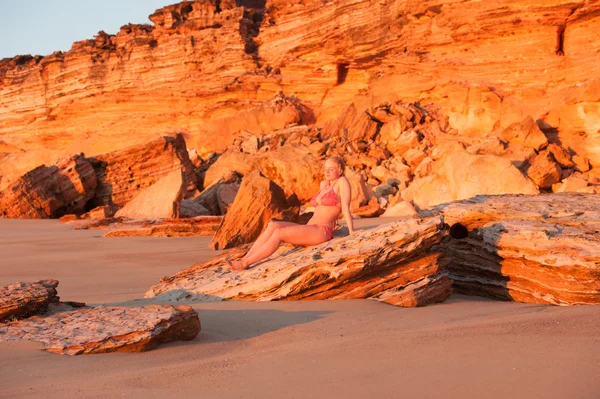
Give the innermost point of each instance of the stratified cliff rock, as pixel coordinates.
(534, 249)
(50, 191)
(212, 68)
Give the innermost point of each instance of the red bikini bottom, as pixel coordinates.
(328, 231)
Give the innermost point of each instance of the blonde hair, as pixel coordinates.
(340, 163)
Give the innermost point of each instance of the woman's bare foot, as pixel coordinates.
(236, 264)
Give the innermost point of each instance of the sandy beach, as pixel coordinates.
(464, 347)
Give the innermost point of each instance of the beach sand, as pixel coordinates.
(465, 347)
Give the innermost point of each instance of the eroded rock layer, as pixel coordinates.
(535, 249)
(106, 329)
(20, 300)
(50, 191)
(392, 263)
(124, 174)
(212, 68)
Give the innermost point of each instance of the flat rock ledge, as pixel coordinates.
(106, 329)
(393, 263)
(123, 227)
(201, 226)
(18, 300)
(533, 249)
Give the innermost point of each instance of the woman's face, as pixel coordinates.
(331, 170)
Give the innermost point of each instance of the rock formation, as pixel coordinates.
(50, 191)
(392, 263)
(199, 226)
(20, 300)
(258, 201)
(160, 200)
(123, 174)
(106, 329)
(213, 68)
(535, 249)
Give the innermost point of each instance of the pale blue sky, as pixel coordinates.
(40, 27)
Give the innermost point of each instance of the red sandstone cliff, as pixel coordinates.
(210, 68)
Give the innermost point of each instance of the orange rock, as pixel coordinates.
(257, 202)
(582, 164)
(293, 168)
(544, 170)
(400, 209)
(360, 191)
(20, 300)
(527, 133)
(160, 200)
(122, 175)
(370, 210)
(414, 157)
(461, 175)
(393, 263)
(107, 329)
(534, 249)
(50, 191)
(561, 156)
(570, 184)
(197, 226)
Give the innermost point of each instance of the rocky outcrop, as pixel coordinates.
(534, 249)
(461, 175)
(393, 263)
(122, 175)
(50, 191)
(291, 166)
(216, 67)
(198, 226)
(107, 329)
(160, 200)
(19, 300)
(258, 201)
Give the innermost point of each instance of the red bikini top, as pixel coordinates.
(330, 198)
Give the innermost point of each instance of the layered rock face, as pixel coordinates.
(107, 329)
(20, 300)
(124, 174)
(50, 191)
(393, 263)
(213, 68)
(540, 249)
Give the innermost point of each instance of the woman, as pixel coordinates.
(332, 199)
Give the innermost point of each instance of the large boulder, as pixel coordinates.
(526, 133)
(160, 200)
(291, 166)
(460, 175)
(544, 170)
(20, 300)
(257, 202)
(50, 191)
(107, 329)
(360, 192)
(534, 249)
(392, 263)
(123, 174)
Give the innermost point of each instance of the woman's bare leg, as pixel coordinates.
(297, 235)
(266, 234)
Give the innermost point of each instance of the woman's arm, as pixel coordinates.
(346, 196)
